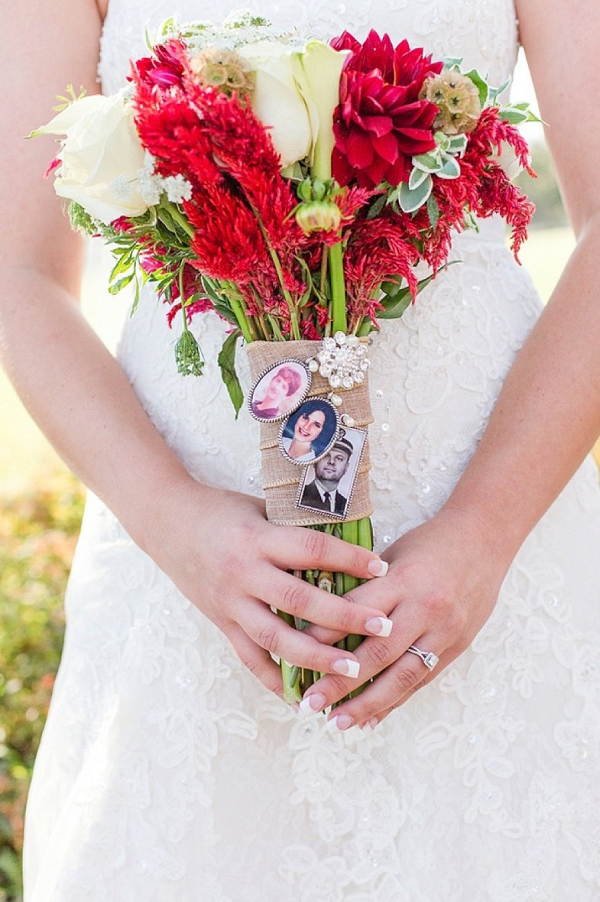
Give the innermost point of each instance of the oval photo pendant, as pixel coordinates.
(279, 390)
(309, 433)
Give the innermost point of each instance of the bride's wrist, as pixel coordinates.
(159, 505)
(479, 528)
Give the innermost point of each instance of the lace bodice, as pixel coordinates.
(484, 32)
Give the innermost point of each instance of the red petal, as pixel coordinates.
(378, 170)
(378, 125)
(386, 146)
(399, 172)
(360, 150)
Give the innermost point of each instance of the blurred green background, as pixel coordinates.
(40, 511)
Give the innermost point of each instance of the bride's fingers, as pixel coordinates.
(270, 632)
(381, 594)
(298, 548)
(397, 673)
(391, 689)
(297, 597)
(258, 661)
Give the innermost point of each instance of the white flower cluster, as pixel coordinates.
(239, 28)
(152, 186)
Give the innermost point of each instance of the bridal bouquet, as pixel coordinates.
(290, 188)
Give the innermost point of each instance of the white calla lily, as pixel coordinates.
(277, 101)
(320, 70)
(296, 93)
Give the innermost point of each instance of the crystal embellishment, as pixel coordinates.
(343, 361)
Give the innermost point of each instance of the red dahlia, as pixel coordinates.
(380, 123)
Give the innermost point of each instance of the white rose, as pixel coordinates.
(296, 93)
(100, 157)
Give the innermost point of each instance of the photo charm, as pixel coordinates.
(310, 431)
(328, 483)
(279, 390)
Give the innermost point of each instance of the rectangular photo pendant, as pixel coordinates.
(327, 485)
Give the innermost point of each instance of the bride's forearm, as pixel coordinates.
(547, 416)
(79, 396)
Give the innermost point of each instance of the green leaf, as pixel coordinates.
(377, 206)
(452, 62)
(494, 93)
(220, 300)
(428, 162)
(123, 264)
(513, 116)
(116, 287)
(412, 200)
(405, 297)
(226, 361)
(457, 144)
(396, 310)
(450, 169)
(417, 177)
(480, 84)
(433, 211)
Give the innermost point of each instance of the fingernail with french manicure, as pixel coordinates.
(377, 567)
(379, 626)
(340, 723)
(346, 667)
(312, 704)
(370, 725)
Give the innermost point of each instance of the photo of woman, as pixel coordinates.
(279, 390)
(310, 431)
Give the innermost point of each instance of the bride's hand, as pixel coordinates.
(443, 582)
(231, 563)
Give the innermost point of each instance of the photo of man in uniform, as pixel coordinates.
(322, 492)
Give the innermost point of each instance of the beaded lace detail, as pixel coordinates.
(167, 773)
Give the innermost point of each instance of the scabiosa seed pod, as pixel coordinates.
(224, 70)
(457, 99)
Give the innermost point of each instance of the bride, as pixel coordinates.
(170, 769)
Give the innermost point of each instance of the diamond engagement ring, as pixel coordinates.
(428, 658)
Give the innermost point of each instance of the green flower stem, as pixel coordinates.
(338, 288)
(277, 264)
(182, 299)
(290, 674)
(179, 218)
(277, 333)
(324, 266)
(365, 533)
(238, 310)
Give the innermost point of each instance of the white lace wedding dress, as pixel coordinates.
(167, 774)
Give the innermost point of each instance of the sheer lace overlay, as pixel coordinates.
(167, 773)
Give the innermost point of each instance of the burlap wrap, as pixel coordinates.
(281, 478)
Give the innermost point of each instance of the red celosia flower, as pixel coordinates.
(164, 69)
(53, 165)
(377, 250)
(483, 187)
(380, 123)
(202, 305)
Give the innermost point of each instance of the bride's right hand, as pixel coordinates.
(232, 564)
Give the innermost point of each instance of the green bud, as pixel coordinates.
(318, 216)
(319, 189)
(305, 190)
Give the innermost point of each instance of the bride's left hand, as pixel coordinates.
(443, 582)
